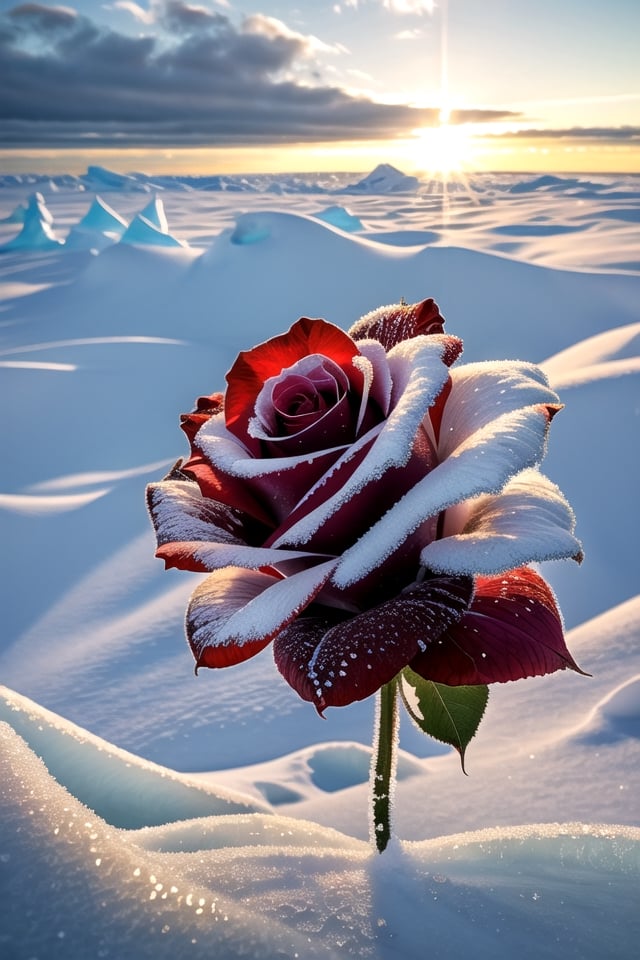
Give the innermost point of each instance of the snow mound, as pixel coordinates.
(125, 791)
(574, 186)
(310, 774)
(32, 505)
(545, 182)
(622, 707)
(616, 716)
(284, 228)
(609, 354)
(183, 889)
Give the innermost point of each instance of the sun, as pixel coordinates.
(443, 151)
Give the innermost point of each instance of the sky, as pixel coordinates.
(214, 86)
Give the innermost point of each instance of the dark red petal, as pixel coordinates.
(281, 490)
(293, 648)
(512, 630)
(253, 367)
(333, 483)
(222, 487)
(400, 321)
(437, 409)
(352, 517)
(205, 408)
(332, 666)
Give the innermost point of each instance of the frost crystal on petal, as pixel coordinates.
(512, 630)
(482, 464)
(396, 322)
(333, 665)
(529, 521)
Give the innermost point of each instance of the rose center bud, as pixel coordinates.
(309, 402)
(298, 400)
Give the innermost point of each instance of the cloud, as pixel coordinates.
(410, 6)
(416, 34)
(414, 7)
(137, 12)
(195, 79)
(44, 18)
(625, 133)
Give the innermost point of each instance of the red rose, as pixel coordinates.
(367, 509)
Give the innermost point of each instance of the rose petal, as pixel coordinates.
(511, 631)
(293, 648)
(213, 603)
(181, 515)
(202, 556)
(380, 386)
(482, 464)
(418, 372)
(322, 431)
(253, 368)
(243, 610)
(481, 392)
(347, 507)
(436, 411)
(205, 407)
(316, 380)
(222, 486)
(399, 321)
(228, 472)
(333, 665)
(180, 512)
(529, 521)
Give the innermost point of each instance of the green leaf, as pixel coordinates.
(449, 714)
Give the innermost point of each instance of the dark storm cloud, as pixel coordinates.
(197, 80)
(35, 16)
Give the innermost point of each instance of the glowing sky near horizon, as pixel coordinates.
(231, 85)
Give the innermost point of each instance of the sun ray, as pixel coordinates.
(443, 152)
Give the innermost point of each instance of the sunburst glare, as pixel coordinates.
(443, 151)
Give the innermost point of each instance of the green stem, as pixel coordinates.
(383, 763)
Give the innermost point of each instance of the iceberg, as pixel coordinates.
(151, 228)
(36, 233)
(17, 215)
(154, 213)
(142, 231)
(100, 227)
(385, 179)
(341, 218)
